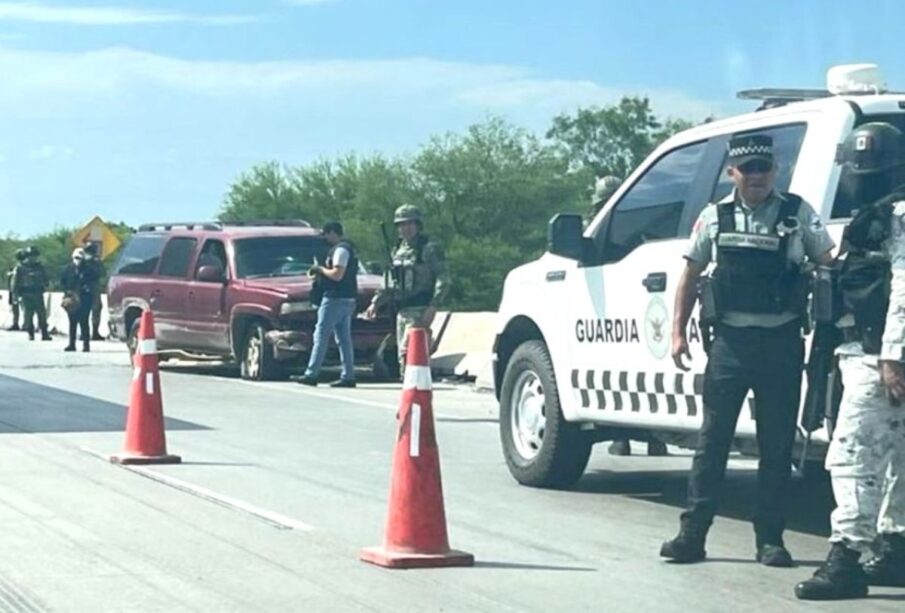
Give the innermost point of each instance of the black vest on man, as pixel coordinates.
(347, 287)
(866, 275)
(753, 273)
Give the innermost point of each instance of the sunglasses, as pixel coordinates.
(756, 166)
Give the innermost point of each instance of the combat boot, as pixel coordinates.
(14, 328)
(887, 568)
(687, 546)
(45, 335)
(839, 578)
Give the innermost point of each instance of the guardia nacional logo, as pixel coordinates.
(656, 327)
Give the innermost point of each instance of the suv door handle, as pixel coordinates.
(655, 282)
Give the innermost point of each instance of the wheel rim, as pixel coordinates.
(528, 414)
(253, 350)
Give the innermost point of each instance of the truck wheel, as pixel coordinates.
(541, 448)
(132, 337)
(258, 362)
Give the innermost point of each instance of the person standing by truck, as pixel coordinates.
(753, 303)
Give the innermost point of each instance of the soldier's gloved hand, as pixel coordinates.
(893, 374)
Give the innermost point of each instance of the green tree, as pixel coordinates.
(612, 140)
(264, 192)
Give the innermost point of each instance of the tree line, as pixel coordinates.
(487, 193)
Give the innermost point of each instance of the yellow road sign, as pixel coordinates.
(96, 231)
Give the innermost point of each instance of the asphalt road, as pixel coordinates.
(281, 486)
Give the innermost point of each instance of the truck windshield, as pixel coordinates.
(278, 256)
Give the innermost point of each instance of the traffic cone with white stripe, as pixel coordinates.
(416, 524)
(145, 438)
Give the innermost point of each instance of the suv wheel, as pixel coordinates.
(541, 448)
(132, 337)
(258, 363)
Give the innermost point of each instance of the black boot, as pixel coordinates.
(86, 347)
(839, 578)
(620, 447)
(70, 347)
(887, 568)
(688, 546)
(45, 335)
(14, 328)
(656, 448)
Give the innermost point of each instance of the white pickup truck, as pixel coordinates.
(582, 351)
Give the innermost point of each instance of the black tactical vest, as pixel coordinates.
(347, 287)
(866, 275)
(753, 273)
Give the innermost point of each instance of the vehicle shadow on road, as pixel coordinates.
(810, 500)
(27, 407)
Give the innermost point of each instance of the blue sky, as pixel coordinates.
(147, 110)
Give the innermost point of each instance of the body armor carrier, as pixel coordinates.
(753, 273)
(865, 277)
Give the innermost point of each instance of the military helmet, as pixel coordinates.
(604, 188)
(407, 212)
(32, 251)
(20, 254)
(871, 148)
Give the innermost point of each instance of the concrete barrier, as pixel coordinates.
(464, 346)
(6, 315)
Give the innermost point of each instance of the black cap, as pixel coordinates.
(333, 226)
(747, 147)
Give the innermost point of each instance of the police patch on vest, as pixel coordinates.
(763, 242)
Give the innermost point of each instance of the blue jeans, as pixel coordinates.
(334, 316)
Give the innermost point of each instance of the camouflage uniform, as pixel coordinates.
(867, 455)
(417, 283)
(29, 286)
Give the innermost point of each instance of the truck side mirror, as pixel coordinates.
(564, 236)
(211, 274)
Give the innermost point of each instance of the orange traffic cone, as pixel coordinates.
(416, 524)
(145, 439)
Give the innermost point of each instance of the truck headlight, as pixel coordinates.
(302, 306)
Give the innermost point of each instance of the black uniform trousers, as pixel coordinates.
(767, 361)
(78, 319)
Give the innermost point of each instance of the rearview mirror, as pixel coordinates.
(564, 236)
(211, 274)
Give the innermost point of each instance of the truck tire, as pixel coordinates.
(541, 448)
(132, 337)
(258, 362)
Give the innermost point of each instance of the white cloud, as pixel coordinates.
(47, 152)
(113, 73)
(107, 15)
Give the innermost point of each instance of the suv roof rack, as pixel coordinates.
(772, 97)
(219, 225)
(187, 225)
(291, 223)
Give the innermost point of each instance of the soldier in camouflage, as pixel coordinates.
(866, 458)
(29, 286)
(419, 281)
(10, 283)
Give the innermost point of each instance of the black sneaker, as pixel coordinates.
(687, 547)
(887, 567)
(621, 447)
(343, 383)
(776, 556)
(70, 348)
(306, 380)
(839, 578)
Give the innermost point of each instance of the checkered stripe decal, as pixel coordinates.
(642, 392)
(751, 150)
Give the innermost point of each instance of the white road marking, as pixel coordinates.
(276, 519)
(415, 434)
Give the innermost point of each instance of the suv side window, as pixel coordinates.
(787, 141)
(176, 255)
(140, 255)
(652, 208)
(212, 254)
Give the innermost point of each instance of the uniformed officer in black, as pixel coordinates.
(755, 297)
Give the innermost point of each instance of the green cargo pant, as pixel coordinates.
(406, 319)
(33, 304)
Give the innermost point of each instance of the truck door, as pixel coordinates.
(208, 315)
(167, 297)
(621, 311)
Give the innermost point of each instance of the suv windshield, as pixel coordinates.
(278, 256)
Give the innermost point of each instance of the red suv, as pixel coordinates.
(236, 291)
